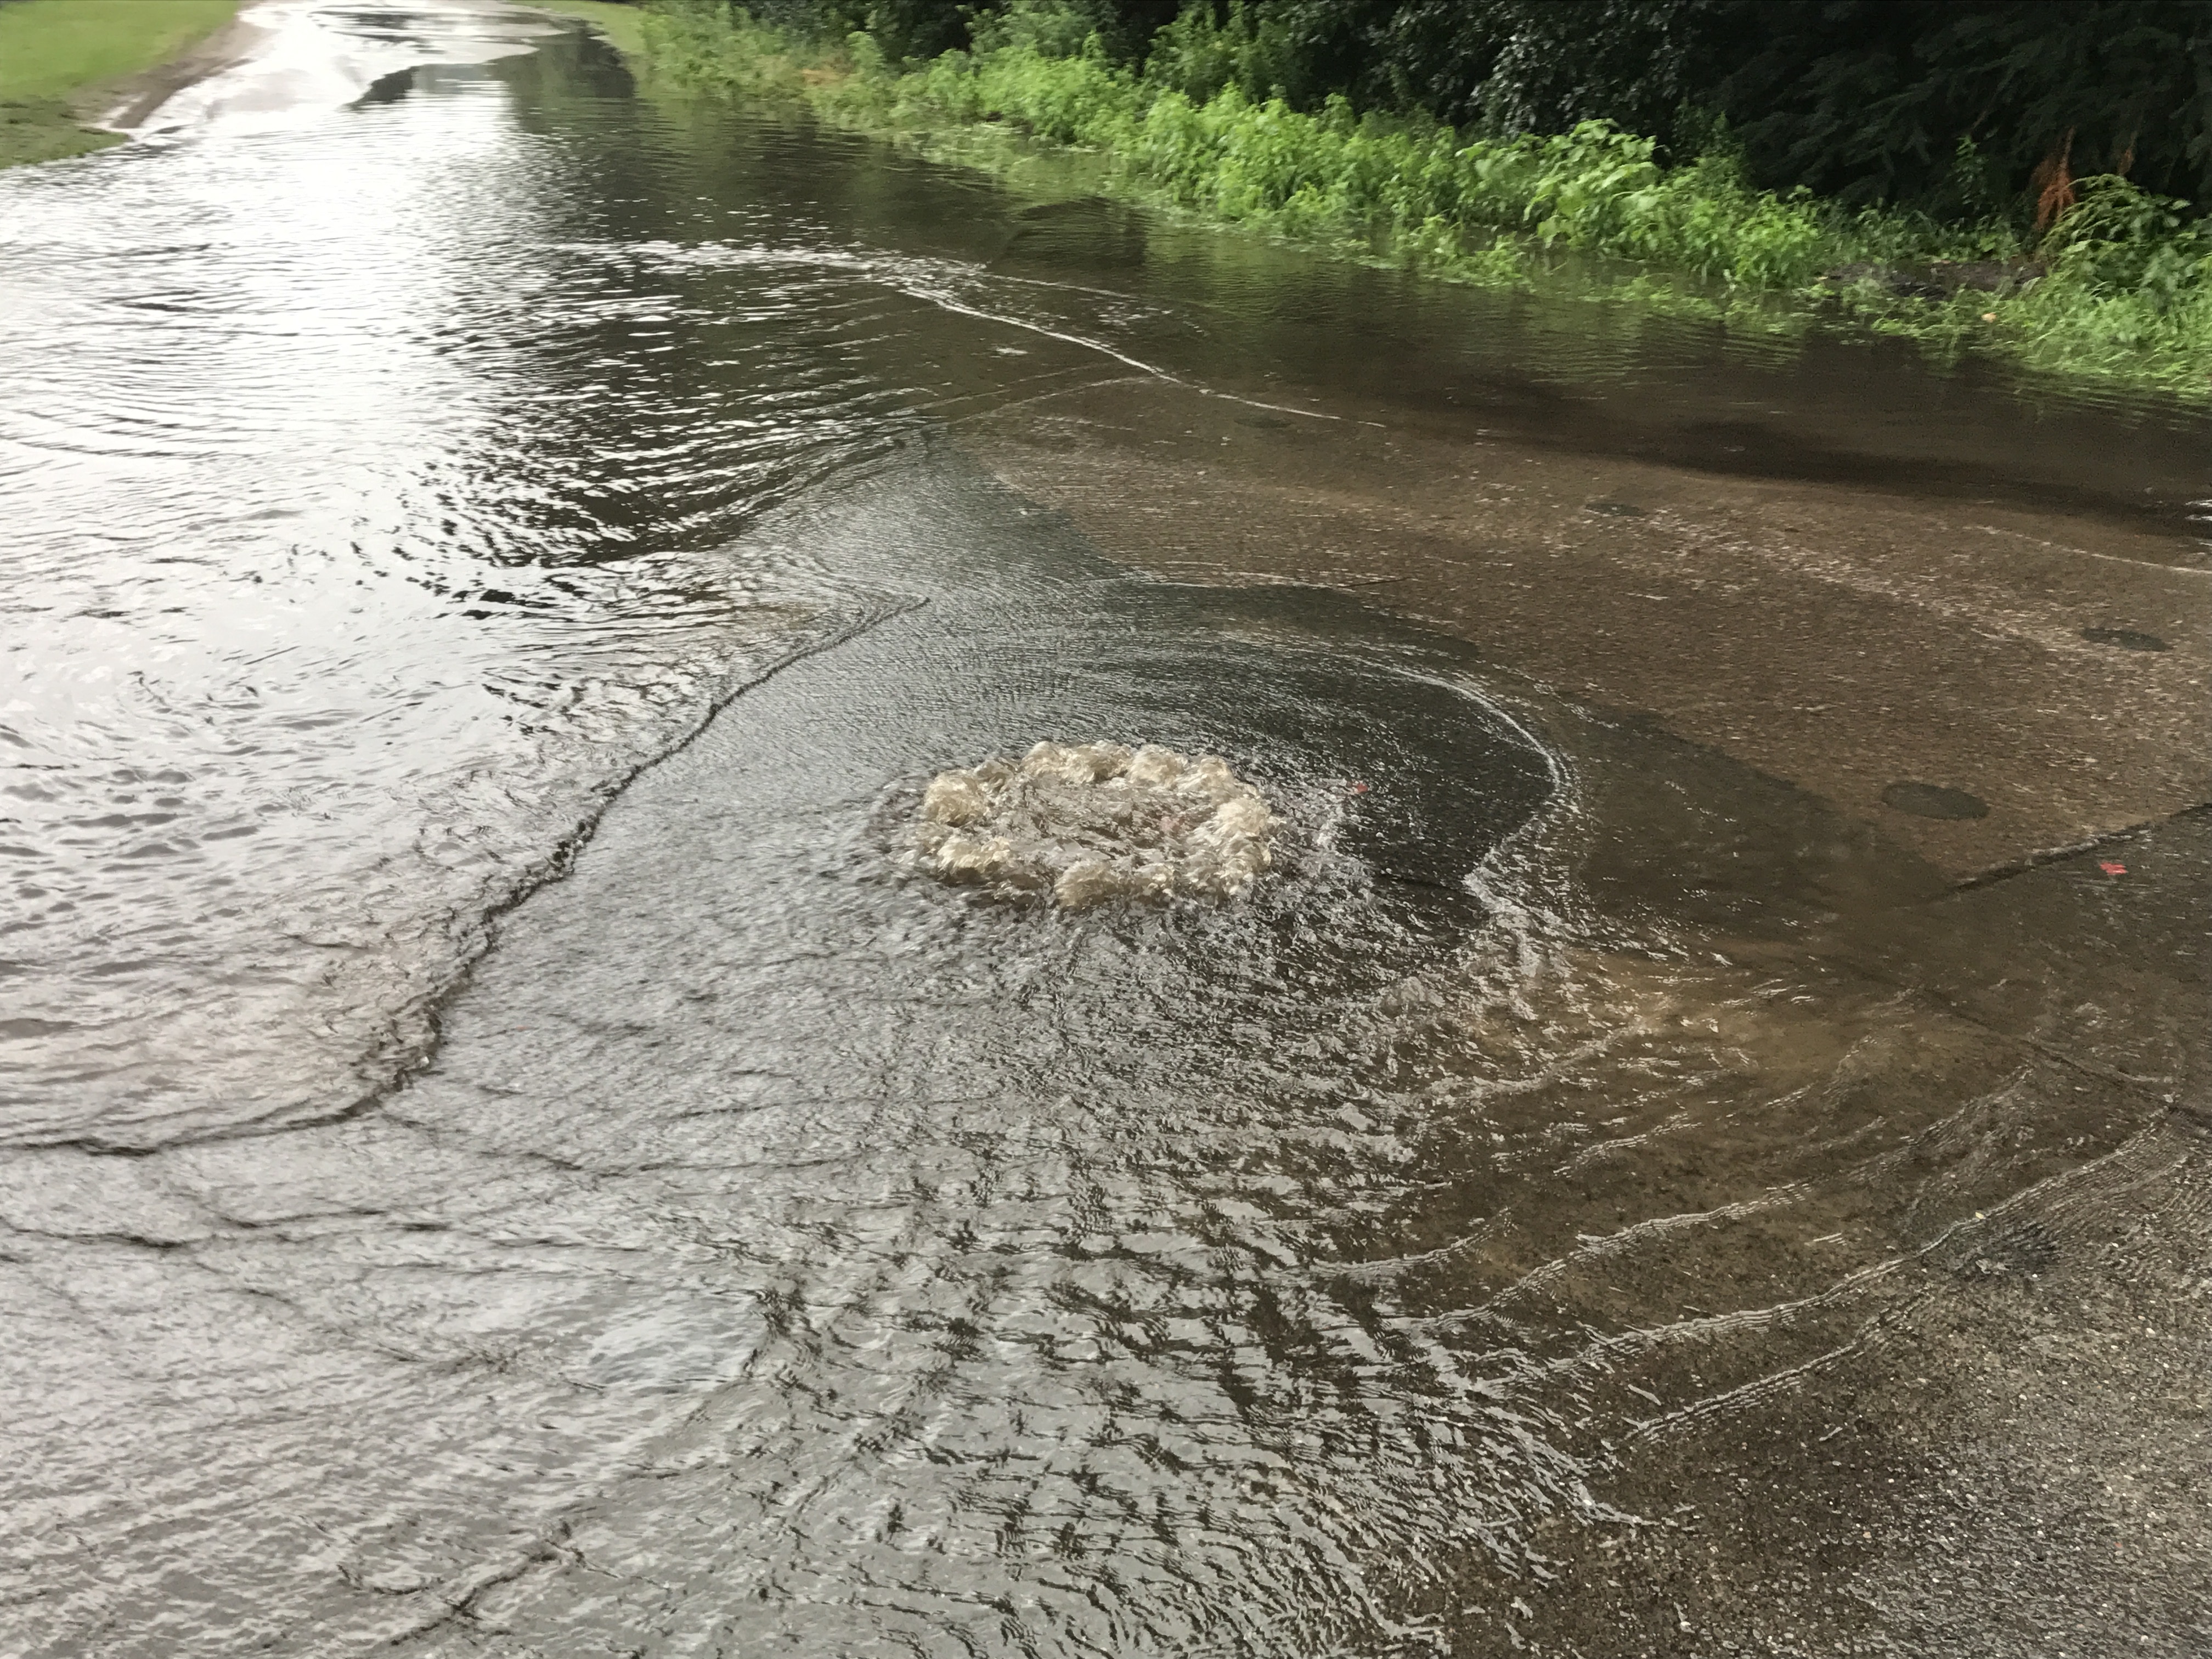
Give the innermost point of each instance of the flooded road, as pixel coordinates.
(1700, 1144)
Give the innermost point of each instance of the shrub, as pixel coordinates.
(2128, 295)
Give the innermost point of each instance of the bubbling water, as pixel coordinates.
(1089, 822)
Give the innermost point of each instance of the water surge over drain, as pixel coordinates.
(1096, 821)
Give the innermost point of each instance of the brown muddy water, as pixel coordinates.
(505, 1155)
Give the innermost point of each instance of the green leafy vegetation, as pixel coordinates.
(56, 56)
(2118, 288)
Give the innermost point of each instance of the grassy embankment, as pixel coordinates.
(58, 58)
(2125, 296)
(623, 25)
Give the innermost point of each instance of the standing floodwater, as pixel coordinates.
(761, 900)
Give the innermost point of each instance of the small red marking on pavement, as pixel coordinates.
(1359, 789)
(2110, 868)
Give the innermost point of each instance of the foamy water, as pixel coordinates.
(1086, 823)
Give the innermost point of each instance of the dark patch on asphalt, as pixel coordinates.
(1933, 800)
(2128, 639)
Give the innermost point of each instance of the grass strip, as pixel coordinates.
(57, 56)
(623, 26)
